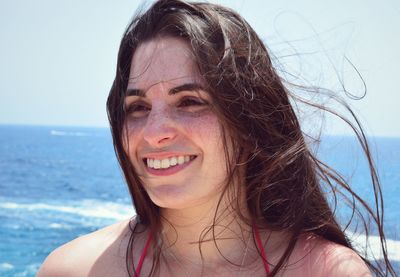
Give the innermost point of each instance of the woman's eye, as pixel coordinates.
(137, 110)
(190, 102)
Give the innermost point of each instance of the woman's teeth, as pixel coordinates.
(166, 163)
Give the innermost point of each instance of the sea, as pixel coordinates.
(58, 183)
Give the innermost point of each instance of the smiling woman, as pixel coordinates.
(220, 175)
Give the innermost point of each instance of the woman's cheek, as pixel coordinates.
(206, 127)
(133, 125)
(130, 132)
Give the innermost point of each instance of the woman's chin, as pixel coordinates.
(168, 196)
(176, 198)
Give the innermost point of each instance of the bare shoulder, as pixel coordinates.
(81, 256)
(331, 259)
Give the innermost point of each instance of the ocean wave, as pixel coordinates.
(59, 226)
(6, 266)
(73, 134)
(116, 211)
(86, 208)
(30, 270)
(373, 250)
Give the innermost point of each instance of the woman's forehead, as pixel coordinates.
(162, 60)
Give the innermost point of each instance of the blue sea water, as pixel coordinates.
(57, 183)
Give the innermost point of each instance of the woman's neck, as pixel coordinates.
(206, 235)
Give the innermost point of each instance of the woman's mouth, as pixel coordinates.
(168, 162)
(167, 166)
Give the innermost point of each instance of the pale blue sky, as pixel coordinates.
(58, 57)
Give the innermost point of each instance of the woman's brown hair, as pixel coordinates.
(284, 182)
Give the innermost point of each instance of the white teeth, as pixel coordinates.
(167, 163)
(157, 164)
(173, 161)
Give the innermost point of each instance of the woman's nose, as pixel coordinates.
(160, 129)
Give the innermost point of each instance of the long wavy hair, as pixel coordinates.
(284, 182)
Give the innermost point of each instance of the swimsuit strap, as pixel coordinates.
(146, 246)
(258, 240)
(261, 248)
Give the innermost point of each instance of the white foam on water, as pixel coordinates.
(64, 133)
(59, 226)
(29, 271)
(115, 211)
(86, 208)
(6, 266)
(9, 205)
(373, 249)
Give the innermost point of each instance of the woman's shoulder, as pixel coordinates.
(326, 258)
(101, 250)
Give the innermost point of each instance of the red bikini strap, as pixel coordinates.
(261, 248)
(146, 246)
(258, 240)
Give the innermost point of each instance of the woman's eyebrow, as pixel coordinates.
(172, 91)
(135, 92)
(186, 87)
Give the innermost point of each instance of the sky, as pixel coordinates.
(58, 58)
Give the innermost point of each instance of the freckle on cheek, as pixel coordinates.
(207, 126)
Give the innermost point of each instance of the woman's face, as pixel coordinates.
(173, 137)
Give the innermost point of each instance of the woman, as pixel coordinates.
(220, 175)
